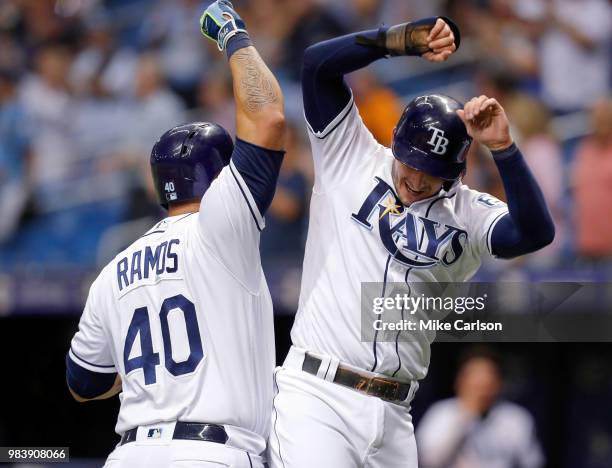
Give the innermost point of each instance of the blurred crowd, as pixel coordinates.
(87, 86)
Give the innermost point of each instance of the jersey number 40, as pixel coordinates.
(149, 360)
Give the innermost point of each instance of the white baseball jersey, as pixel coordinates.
(360, 232)
(184, 316)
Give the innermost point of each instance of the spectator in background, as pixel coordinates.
(173, 30)
(309, 23)
(48, 102)
(379, 106)
(270, 21)
(498, 81)
(477, 429)
(357, 14)
(592, 183)
(542, 152)
(283, 238)
(574, 53)
(102, 68)
(42, 21)
(215, 101)
(530, 127)
(11, 18)
(155, 107)
(501, 37)
(12, 55)
(14, 151)
(391, 10)
(282, 242)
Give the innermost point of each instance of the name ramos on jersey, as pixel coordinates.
(149, 262)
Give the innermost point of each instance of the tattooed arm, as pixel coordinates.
(260, 119)
(259, 101)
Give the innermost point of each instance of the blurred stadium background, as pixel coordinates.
(87, 86)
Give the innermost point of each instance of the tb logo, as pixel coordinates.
(438, 141)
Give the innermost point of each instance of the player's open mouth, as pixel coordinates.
(411, 190)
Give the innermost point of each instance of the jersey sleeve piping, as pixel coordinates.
(248, 197)
(103, 369)
(334, 123)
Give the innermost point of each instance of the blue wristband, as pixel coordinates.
(507, 153)
(237, 42)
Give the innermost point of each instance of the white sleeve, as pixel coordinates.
(343, 149)
(230, 225)
(440, 433)
(481, 213)
(530, 453)
(90, 347)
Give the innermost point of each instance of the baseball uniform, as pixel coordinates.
(184, 316)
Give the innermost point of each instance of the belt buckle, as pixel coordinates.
(383, 388)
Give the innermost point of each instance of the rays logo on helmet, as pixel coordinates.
(438, 140)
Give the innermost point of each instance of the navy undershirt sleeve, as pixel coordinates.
(85, 383)
(528, 226)
(259, 167)
(324, 90)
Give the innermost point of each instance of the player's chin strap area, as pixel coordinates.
(369, 383)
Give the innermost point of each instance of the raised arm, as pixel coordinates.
(260, 117)
(324, 89)
(259, 101)
(528, 226)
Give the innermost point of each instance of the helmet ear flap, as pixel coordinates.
(447, 184)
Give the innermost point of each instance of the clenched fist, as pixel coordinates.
(486, 122)
(434, 39)
(440, 41)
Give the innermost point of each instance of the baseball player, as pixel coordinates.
(378, 214)
(181, 321)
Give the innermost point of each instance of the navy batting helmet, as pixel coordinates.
(186, 159)
(431, 137)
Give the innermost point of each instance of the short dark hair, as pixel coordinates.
(480, 352)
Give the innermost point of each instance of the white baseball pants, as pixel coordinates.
(316, 423)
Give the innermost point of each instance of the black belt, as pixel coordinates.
(184, 431)
(385, 389)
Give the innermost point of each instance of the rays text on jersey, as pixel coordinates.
(399, 228)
